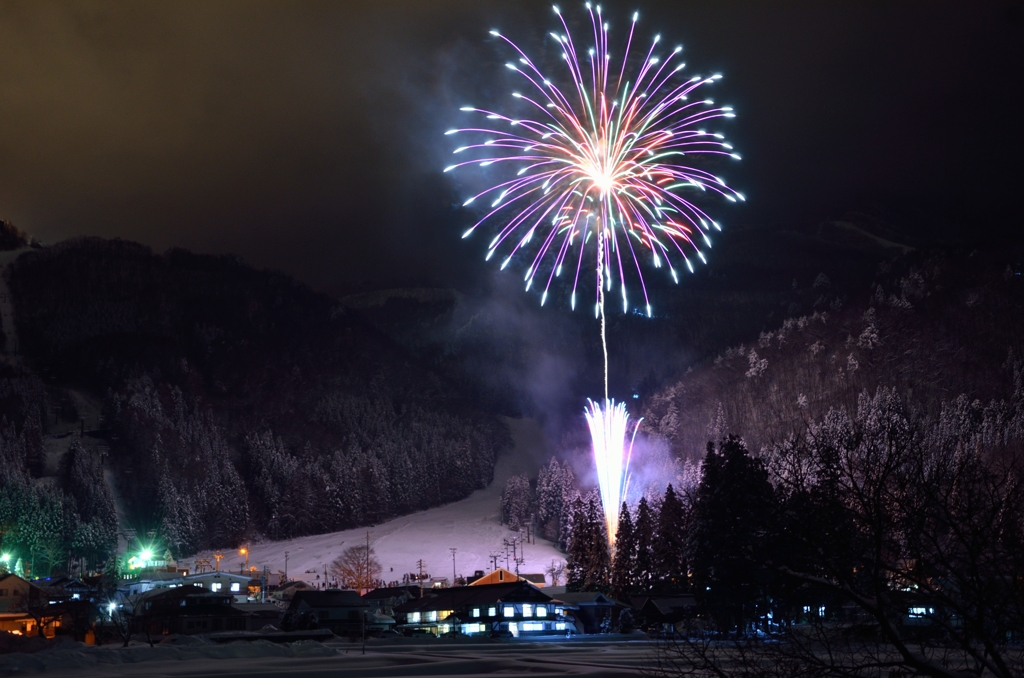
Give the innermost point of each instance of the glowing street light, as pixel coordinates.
(146, 555)
(245, 552)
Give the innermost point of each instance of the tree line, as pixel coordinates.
(239, 404)
(877, 537)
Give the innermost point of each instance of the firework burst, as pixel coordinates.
(604, 164)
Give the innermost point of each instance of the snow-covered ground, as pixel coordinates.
(598, 657)
(471, 526)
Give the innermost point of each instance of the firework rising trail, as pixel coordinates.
(604, 163)
(608, 429)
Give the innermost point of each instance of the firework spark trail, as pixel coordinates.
(607, 159)
(608, 427)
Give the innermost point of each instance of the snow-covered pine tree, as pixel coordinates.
(598, 559)
(624, 561)
(669, 547)
(643, 571)
(577, 553)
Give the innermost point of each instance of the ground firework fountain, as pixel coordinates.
(605, 164)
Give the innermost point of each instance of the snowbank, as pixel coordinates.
(79, 656)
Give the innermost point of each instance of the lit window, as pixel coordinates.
(215, 586)
(235, 587)
(475, 612)
(492, 612)
(533, 626)
(432, 615)
(527, 610)
(414, 617)
(559, 611)
(559, 626)
(509, 611)
(542, 611)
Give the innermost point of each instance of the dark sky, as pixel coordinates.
(307, 136)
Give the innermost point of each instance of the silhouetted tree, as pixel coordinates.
(643, 571)
(730, 540)
(669, 547)
(624, 562)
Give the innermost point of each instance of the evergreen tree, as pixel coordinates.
(598, 563)
(643, 570)
(517, 502)
(669, 547)
(731, 537)
(576, 556)
(624, 563)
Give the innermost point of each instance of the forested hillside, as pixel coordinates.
(518, 358)
(935, 326)
(239, 403)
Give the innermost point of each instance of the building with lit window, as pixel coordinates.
(517, 607)
(235, 585)
(24, 607)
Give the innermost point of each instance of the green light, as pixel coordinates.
(146, 554)
(6, 558)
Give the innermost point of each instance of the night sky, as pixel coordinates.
(308, 137)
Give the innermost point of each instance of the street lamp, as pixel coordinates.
(245, 552)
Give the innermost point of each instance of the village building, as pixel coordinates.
(344, 612)
(664, 612)
(192, 610)
(503, 576)
(515, 606)
(594, 612)
(384, 600)
(235, 585)
(24, 607)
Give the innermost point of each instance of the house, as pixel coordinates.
(24, 607)
(594, 611)
(537, 580)
(663, 611)
(185, 609)
(343, 612)
(68, 588)
(287, 591)
(516, 606)
(499, 576)
(237, 585)
(384, 600)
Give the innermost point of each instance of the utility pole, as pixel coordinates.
(285, 566)
(218, 556)
(453, 549)
(419, 564)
